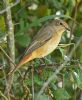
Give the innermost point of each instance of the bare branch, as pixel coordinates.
(7, 56)
(5, 98)
(10, 45)
(9, 7)
(32, 70)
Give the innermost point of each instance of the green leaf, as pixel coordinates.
(37, 80)
(28, 82)
(81, 58)
(2, 24)
(17, 89)
(79, 30)
(61, 51)
(61, 94)
(44, 97)
(21, 24)
(23, 40)
(79, 78)
(67, 83)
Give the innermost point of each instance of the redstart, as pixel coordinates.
(44, 42)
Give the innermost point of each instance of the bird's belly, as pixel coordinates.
(47, 51)
(47, 48)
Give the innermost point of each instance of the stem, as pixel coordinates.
(32, 82)
(10, 45)
(5, 98)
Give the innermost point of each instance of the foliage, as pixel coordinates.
(28, 17)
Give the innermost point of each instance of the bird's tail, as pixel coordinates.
(24, 60)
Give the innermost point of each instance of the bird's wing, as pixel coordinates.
(40, 39)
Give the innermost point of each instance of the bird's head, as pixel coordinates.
(60, 26)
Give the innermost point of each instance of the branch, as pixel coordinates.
(7, 56)
(9, 7)
(5, 98)
(10, 44)
(32, 82)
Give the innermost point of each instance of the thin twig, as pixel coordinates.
(5, 98)
(10, 44)
(32, 82)
(65, 45)
(7, 56)
(9, 7)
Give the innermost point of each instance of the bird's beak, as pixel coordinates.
(67, 28)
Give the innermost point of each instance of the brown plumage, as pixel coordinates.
(45, 41)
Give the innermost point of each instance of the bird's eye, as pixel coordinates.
(61, 23)
(58, 22)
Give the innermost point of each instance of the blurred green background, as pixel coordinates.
(28, 16)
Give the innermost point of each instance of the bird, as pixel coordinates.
(44, 42)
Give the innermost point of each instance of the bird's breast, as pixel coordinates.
(48, 47)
